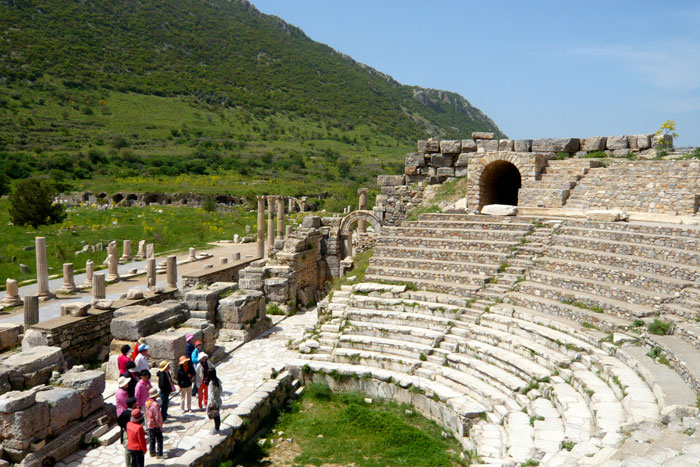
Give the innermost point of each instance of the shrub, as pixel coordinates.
(31, 203)
(659, 328)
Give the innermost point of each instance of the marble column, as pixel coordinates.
(362, 206)
(151, 272)
(141, 254)
(89, 271)
(290, 205)
(150, 251)
(261, 226)
(112, 267)
(348, 244)
(31, 311)
(68, 279)
(171, 272)
(126, 251)
(280, 217)
(11, 293)
(303, 204)
(193, 254)
(99, 286)
(270, 223)
(42, 269)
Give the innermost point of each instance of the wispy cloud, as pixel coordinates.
(674, 65)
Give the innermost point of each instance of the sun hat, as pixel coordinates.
(143, 347)
(183, 359)
(188, 337)
(136, 415)
(153, 392)
(123, 381)
(203, 355)
(164, 365)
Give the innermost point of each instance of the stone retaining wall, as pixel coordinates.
(223, 273)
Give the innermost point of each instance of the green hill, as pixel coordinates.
(159, 88)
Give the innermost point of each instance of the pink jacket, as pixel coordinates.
(121, 397)
(154, 419)
(141, 393)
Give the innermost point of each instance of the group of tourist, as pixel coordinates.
(138, 401)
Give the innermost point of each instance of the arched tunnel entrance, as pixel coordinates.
(499, 184)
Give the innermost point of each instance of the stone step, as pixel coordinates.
(412, 333)
(376, 359)
(457, 244)
(520, 435)
(504, 381)
(465, 224)
(458, 233)
(422, 263)
(437, 216)
(553, 183)
(608, 413)
(617, 307)
(409, 274)
(438, 254)
(419, 320)
(631, 236)
(384, 345)
(576, 416)
(438, 285)
(490, 440)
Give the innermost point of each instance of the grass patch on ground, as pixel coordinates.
(167, 227)
(353, 433)
(448, 191)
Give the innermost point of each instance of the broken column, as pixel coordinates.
(261, 226)
(141, 254)
(270, 222)
(171, 272)
(280, 217)
(11, 293)
(126, 253)
(150, 251)
(31, 311)
(98, 286)
(193, 255)
(68, 279)
(287, 231)
(362, 206)
(290, 205)
(89, 271)
(303, 204)
(347, 238)
(112, 267)
(150, 272)
(42, 269)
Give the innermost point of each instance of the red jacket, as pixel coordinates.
(136, 437)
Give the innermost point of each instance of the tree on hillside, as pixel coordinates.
(31, 203)
(4, 184)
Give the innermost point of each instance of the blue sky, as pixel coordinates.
(538, 68)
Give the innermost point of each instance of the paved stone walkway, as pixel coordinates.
(241, 373)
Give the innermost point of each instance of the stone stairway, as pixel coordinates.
(557, 180)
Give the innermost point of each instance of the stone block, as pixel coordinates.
(93, 405)
(134, 294)
(505, 145)
(19, 428)
(77, 309)
(65, 405)
(131, 323)
(438, 160)
(462, 160)
(9, 335)
(14, 401)
(390, 180)
(522, 145)
(620, 153)
(594, 143)
(34, 338)
(485, 145)
(610, 215)
(468, 145)
(241, 309)
(422, 146)
(617, 142)
(450, 146)
(461, 171)
(206, 299)
(415, 160)
(556, 145)
(89, 383)
(311, 222)
(166, 345)
(482, 135)
(643, 141)
(35, 359)
(499, 210)
(432, 145)
(277, 289)
(445, 172)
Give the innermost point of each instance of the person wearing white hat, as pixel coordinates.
(122, 394)
(202, 371)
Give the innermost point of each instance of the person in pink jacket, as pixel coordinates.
(142, 388)
(122, 394)
(154, 423)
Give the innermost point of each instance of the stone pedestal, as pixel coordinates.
(11, 293)
(126, 253)
(261, 226)
(112, 267)
(362, 206)
(171, 272)
(99, 286)
(68, 279)
(193, 255)
(31, 311)
(236, 256)
(89, 271)
(150, 251)
(270, 223)
(141, 254)
(42, 269)
(151, 272)
(280, 217)
(223, 260)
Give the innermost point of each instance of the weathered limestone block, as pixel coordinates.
(422, 146)
(594, 143)
(19, 429)
(77, 309)
(207, 299)
(451, 146)
(415, 160)
(202, 330)
(462, 160)
(65, 405)
(9, 335)
(390, 180)
(167, 345)
(505, 145)
(241, 309)
(134, 294)
(445, 172)
(33, 338)
(620, 153)
(617, 142)
(643, 141)
(34, 366)
(499, 210)
(555, 145)
(522, 145)
(438, 160)
(468, 145)
(14, 401)
(132, 322)
(482, 135)
(461, 171)
(277, 289)
(612, 215)
(658, 139)
(486, 145)
(90, 384)
(313, 222)
(432, 145)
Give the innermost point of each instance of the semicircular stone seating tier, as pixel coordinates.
(545, 356)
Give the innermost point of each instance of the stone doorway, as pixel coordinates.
(499, 184)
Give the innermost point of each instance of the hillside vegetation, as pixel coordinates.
(113, 90)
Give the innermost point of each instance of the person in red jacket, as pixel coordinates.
(136, 436)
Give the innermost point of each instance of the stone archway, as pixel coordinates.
(499, 183)
(349, 221)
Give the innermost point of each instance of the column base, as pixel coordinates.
(11, 301)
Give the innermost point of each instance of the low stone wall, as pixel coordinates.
(30, 368)
(223, 273)
(396, 199)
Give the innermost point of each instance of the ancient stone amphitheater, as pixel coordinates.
(551, 336)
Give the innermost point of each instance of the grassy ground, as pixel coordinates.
(168, 227)
(341, 429)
